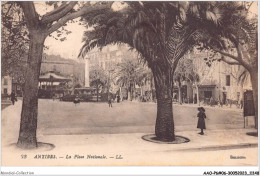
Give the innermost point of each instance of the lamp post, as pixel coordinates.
(51, 80)
(219, 81)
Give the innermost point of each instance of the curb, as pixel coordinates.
(225, 147)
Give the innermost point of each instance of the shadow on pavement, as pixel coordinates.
(40, 147)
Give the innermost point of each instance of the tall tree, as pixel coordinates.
(128, 74)
(237, 43)
(185, 71)
(98, 78)
(39, 27)
(14, 38)
(146, 77)
(162, 32)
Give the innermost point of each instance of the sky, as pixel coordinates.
(70, 48)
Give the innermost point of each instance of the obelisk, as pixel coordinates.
(86, 72)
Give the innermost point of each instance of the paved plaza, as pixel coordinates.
(57, 117)
(94, 128)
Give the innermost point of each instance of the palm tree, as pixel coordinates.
(146, 77)
(237, 41)
(128, 74)
(161, 32)
(98, 78)
(185, 72)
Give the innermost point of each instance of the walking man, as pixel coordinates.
(118, 98)
(13, 98)
(110, 102)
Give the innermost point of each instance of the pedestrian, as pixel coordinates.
(175, 97)
(201, 120)
(118, 98)
(211, 101)
(241, 103)
(110, 102)
(13, 97)
(76, 100)
(53, 96)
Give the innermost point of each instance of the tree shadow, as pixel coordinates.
(41, 147)
(153, 138)
(252, 134)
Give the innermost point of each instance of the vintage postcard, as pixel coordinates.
(134, 83)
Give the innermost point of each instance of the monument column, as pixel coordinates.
(86, 72)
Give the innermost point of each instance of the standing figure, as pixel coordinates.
(211, 101)
(13, 98)
(76, 100)
(118, 98)
(53, 96)
(201, 120)
(110, 102)
(241, 103)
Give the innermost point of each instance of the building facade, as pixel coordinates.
(219, 80)
(6, 87)
(107, 59)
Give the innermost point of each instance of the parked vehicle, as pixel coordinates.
(82, 98)
(44, 93)
(68, 97)
(86, 98)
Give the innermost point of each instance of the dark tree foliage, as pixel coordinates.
(162, 32)
(98, 79)
(15, 42)
(24, 30)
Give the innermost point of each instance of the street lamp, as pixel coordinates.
(51, 80)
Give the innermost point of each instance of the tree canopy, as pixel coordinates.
(162, 32)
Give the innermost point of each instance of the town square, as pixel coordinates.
(135, 83)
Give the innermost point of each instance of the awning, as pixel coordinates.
(207, 86)
(85, 88)
(52, 77)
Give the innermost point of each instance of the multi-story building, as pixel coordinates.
(108, 58)
(218, 80)
(6, 87)
(10, 84)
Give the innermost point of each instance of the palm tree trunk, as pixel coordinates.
(28, 125)
(198, 96)
(151, 88)
(164, 128)
(121, 95)
(134, 93)
(141, 93)
(179, 93)
(97, 92)
(254, 80)
(129, 93)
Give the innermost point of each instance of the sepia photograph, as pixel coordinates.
(129, 83)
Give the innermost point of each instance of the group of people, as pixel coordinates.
(201, 115)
